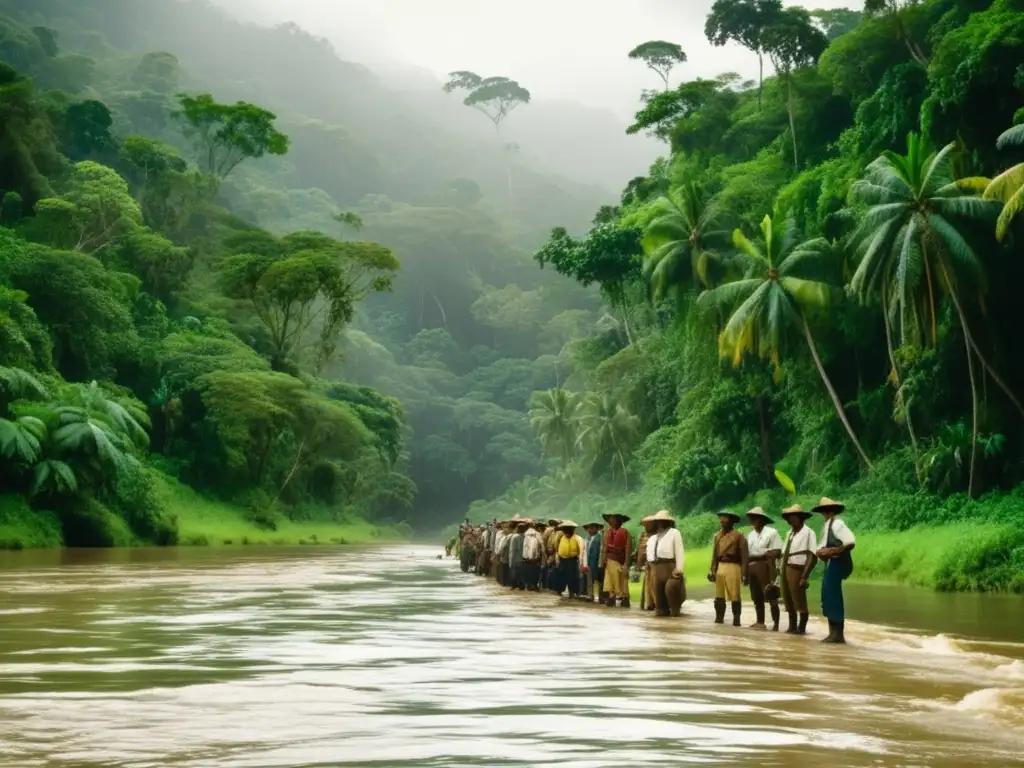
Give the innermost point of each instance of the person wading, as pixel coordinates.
(569, 548)
(487, 548)
(515, 556)
(838, 541)
(646, 585)
(616, 549)
(551, 581)
(665, 565)
(467, 548)
(594, 574)
(533, 556)
(798, 561)
(728, 567)
(501, 543)
(764, 546)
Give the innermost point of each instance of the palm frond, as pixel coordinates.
(727, 296)
(1011, 137)
(1013, 207)
(958, 248)
(53, 476)
(806, 293)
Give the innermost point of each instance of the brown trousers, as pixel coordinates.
(760, 573)
(728, 582)
(794, 595)
(616, 579)
(669, 593)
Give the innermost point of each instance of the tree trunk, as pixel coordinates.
(792, 122)
(766, 454)
(832, 392)
(295, 466)
(900, 397)
(760, 79)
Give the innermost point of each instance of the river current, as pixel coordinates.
(389, 657)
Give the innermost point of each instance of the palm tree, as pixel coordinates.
(607, 429)
(554, 415)
(772, 296)
(681, 242)
(1008, 187)
(911, 248)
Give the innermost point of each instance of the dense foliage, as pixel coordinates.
(816, 283)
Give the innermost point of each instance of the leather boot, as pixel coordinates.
(775, 617)
(802, 629)
(602, 597)
(836, 635)
(624, 603)
(737, 610)
(719, 610)
(792, 624)
(759, 612)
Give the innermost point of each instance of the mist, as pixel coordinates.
(568, 49)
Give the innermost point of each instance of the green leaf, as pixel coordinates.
(785, 481)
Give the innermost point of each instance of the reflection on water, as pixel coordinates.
(209, 659)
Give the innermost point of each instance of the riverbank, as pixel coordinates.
(201, 522)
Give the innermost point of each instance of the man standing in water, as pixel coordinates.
(569, 548)
(549, 554)
(728, 567)
(838, 542)
(765, 546)
(616, 551)
(533, 555)
(646, 585)
(500, 566)
(798, 561)
(665, 565)
(515, 557)
(595, 575)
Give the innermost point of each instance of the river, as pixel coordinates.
(388, 657)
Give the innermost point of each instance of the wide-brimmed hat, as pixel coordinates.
(730, 514)
(593, 523)
(759, 512)
(622, 518)
(569, 524)
(828, 505)
(553, 521)
(797, 510)
(662, 516)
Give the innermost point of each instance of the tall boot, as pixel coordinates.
(802, 630)
(831, 632)
(792, 623)
(719, 610)
(737, 609)
(835, 634)
(625, 602)
(775, 617)
(602, 597)
(759, 612)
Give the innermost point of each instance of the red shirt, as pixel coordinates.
(616, 544)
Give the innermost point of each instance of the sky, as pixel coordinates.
(558, 49)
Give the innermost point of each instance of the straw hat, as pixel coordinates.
(569, 524)
(553, 521)
(828, 505)
(593, 523)
(759, 512)
(797, 510)
(732, 515)
(662, 516)
(622, 518)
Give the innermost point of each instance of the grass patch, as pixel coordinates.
(22, 527)
(207, 522)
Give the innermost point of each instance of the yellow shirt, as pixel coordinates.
(568, 547)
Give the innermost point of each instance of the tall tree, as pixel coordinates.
(225, 135)
(792, 41)
(911, 239)
(554, 417)
(743, 22)
(660, 56)
(495, 97)
(895, 10)
(607, 431)
(682, 241)
(774, 295)
(835, 22)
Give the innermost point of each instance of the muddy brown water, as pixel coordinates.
(388, 657)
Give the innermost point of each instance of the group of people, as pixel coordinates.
(534, 555)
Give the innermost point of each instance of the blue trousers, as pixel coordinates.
(836, 572)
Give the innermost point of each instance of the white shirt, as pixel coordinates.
(499, 541)
(804, 539)
(760, 543)
(666, 545)
(533, 545)
(840, 530)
